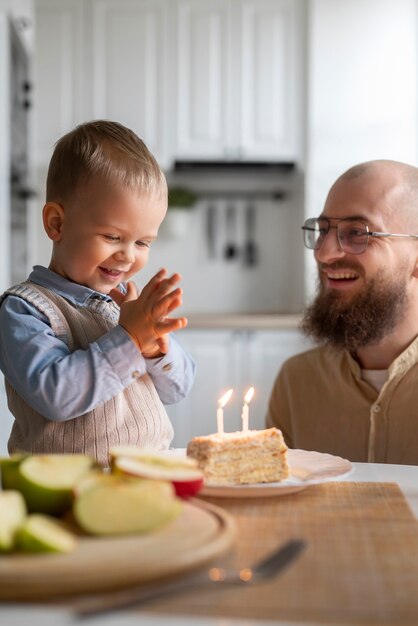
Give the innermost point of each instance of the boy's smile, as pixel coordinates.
(103, 234)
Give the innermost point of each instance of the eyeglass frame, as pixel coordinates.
(368, 233)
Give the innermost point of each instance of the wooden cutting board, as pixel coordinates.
(202, 532)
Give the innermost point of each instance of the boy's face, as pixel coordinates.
(105, 235)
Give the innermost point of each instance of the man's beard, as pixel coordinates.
(361, 321)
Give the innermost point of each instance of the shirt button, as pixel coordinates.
(167, 368)
(136, 374)
(376, 408)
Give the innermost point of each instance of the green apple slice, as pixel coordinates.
(91, 479)
(41, 533)
(122, 505)
(9, 470)
(47, 481)
(12, 516)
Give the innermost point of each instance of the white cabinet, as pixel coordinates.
(205, 79)
(59, 72)
(239, 79)
(129, 75)
(229, 358)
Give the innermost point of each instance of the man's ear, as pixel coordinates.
(53, 218)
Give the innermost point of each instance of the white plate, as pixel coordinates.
(306, 468)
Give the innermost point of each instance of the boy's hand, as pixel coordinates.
(144, 316)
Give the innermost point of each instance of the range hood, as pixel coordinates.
(236, 166)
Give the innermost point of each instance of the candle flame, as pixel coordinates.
(224, 399)
(249, 395)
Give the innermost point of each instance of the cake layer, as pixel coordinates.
(254, 456)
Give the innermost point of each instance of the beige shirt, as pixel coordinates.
(320, 402)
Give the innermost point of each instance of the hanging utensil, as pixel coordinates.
(250, 247)
(231, 249)
(211, 229)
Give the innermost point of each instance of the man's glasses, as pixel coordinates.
(353, 235)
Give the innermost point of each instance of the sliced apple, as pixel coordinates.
(47, 481)
(156, 457)
(9, 470)
(12, 515)
(90, 479)
(187, 480)
(41, 533)
(122, 505)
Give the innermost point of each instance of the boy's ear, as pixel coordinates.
(53, 217)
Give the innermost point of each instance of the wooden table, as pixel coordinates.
(360, 567)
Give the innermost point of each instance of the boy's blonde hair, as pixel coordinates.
(105, 150)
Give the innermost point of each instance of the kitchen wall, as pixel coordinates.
(357, 76)
(211, 282)
(362, 68)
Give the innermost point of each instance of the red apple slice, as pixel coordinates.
(187, 481)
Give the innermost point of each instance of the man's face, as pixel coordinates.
(362, 297)
(106, 235)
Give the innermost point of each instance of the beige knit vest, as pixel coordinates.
(135, 416)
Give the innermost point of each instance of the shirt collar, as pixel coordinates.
(73, 292)
(399, 366)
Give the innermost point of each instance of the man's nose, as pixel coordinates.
(330, 248)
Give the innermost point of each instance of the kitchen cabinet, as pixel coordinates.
(60, 66)
(230, 358)
(104, 59)
(239, 78)
(197, 79)
(129, 75)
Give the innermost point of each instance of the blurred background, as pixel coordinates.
(253, 108)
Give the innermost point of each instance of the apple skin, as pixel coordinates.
(9, 470)
(187, 481)
(47, 481)
(188, 488)
(121, 505)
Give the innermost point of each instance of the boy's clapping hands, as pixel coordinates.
(144, 315)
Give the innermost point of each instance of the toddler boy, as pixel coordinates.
(88, 362)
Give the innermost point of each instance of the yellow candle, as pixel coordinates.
(245, 415)
(220, 413)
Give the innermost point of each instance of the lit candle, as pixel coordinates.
(245, 415)
(220, 413)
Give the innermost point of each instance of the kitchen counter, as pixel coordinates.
(243, 321)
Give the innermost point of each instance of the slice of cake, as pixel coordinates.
(254, 456)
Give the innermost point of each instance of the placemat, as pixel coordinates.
(360, 567)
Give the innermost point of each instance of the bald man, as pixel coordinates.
(356, 394)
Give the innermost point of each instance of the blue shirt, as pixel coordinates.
(61, 384)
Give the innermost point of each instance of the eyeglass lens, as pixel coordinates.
(352, 235)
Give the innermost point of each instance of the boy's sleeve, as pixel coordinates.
(172, 374)
(57, 383)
